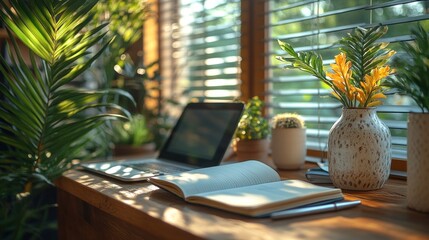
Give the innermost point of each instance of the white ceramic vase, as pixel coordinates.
(359, 150)
(288, 149)
(418, 162)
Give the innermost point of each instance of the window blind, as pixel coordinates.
(318, 25)
(200, 46)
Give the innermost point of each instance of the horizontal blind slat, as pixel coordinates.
(290, 6)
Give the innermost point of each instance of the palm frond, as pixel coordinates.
(309, 62)
(363, 50)
(413, 69)
(43, 122)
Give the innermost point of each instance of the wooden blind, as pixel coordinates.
(318, 25)
(200, 46)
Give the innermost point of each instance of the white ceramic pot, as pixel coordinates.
(359, 150)
(418, 162)
(288, 149)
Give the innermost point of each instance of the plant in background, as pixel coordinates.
(44, 122)
(126, 19)
(134, 132)
(252, 124)
(119, 66)
(413, 69)
(358, 70)
(141, 81)
(288, 120)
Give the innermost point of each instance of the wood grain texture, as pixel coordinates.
(95, 207)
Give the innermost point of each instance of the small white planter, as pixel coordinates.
(288, 149)
(418, 162)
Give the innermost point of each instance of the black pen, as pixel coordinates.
(314, 209)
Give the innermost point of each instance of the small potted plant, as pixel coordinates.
(251, 137)
(132, 137)
(412, 79)
(288, 149)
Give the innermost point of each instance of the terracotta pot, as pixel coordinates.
(128, 150)
(252, 150)
(418, 162)
(288, 149)
(359, 150)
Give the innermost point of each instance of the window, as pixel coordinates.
(200, 46)
(318, 25)
(206, 54)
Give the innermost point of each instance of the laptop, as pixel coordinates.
(199, 139)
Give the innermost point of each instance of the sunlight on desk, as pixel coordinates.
(173, 215)
(141, 209)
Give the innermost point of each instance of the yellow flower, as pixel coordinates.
(371, 89)
(341, 77)
(368, 93)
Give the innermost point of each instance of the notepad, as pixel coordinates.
(249, 188)
(318, 176)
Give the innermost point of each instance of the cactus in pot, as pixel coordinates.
(288, 148)
(288, 120)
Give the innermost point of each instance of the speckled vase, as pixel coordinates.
(359, 152)
(418, 162)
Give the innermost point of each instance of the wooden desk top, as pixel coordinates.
(382, 215)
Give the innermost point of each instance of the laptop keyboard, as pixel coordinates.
(157, 168)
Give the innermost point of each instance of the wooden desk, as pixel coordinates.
(95, 207)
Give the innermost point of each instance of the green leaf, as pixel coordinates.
(40, 133)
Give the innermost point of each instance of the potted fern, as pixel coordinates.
(288, 139)
(45, 124)
(251, 137)
(412, 79)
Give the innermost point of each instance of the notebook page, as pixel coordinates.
(267, 197)
(222, 177)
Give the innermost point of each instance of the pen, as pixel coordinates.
(314, 209)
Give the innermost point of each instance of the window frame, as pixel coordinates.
(254, 57)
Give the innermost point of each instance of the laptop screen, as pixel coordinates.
(202, 134)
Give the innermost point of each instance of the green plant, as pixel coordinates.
(413, 69)
(116, 68)
(134, 132)
(142, 82)
(358, 70)
(44, 123)
(252, 124)
(126, 19)
(288, 120)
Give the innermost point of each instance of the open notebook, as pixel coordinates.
(249, 188)
(199, 139)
